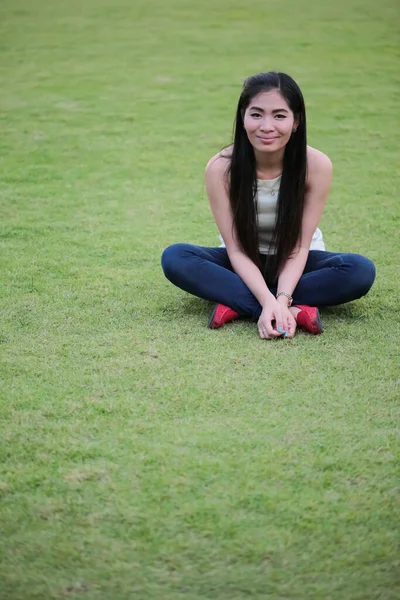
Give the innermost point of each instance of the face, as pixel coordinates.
(269, 122)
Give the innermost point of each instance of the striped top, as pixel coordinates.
(266, 200)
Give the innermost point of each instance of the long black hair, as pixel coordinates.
(243, 176)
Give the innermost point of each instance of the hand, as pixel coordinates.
(271, 323)
(289, 322)
(276, 320)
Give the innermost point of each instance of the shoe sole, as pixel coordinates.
(319, 324)
(321, 329)
(211, 319)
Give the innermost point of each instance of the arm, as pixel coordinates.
(318, 186)
(243, 266)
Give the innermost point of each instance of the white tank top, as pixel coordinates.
(266, 205)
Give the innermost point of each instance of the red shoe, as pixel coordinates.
(221, 315)
(309, 319)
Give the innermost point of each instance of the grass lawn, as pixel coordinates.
(143, 456)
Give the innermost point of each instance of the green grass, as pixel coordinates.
(144, 456)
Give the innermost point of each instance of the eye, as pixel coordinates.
(255, 115)
(280, 116)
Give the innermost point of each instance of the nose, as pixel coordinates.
(267, 124)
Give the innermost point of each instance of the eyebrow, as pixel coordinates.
(277, 110)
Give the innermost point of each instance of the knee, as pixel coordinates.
(363, 274)
(171, 259)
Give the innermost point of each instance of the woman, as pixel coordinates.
(267, 192)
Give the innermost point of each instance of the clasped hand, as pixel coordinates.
(275, 321)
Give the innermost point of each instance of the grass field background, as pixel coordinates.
(144, 456)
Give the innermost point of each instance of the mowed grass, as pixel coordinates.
(144, 456)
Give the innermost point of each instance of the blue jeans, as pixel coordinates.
(329, 278)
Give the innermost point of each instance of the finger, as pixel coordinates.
(279, 323)
(263, 328)
(265, 324)
(288, 327)
(272, 331)
(276, 330)
(291, 324)
(263, 333)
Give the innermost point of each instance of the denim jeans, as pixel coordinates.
(329, 278)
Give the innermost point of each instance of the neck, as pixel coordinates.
(269, 164)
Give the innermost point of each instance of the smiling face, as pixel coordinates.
(269, 122)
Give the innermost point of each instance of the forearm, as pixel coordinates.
(292, 271)
(251, 275)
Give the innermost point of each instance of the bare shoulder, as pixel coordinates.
(217, 179)
(318, 163)
(219, 164)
